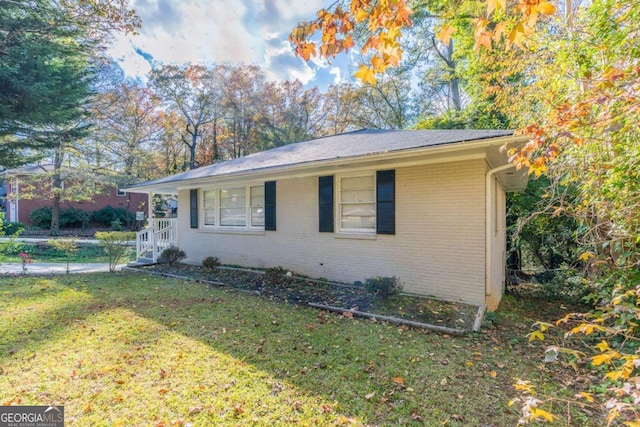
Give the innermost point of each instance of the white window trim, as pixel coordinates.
(246, 228)
(352, 232)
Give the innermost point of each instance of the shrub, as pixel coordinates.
(383, 287)
(115, 242)
(108, 215)
(12, 228)
(41, 217)
(115, 225)
(172, 255)
(211, 263)
(275, 275)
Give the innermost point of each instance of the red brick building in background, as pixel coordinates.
(18, 208)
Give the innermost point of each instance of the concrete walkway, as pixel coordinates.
(43, 268)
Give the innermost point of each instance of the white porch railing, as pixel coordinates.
(160, 234)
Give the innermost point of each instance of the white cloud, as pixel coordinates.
(236, 31)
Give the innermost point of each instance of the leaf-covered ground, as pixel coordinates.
(131, 349)
(303, 291)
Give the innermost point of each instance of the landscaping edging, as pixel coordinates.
(394, 320)
(362, 314)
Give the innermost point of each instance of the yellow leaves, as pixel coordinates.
(493, 5)
(545, 8)
(586, 328)
(605, 357)
(366, 75)
(586, 256)
(524, 385)
(536, 335)
(603, 346)
(584, 395)
(537, 413)
(445, 33)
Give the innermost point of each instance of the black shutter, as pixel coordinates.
(325, 205)
(270, 205)
(193, 207)
(385, 202)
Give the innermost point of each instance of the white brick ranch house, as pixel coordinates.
(426, 206)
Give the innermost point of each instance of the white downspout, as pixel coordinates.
(488, 221)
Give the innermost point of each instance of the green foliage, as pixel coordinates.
(172, 255)
(211, 263)
(383, 287)
(11, 228)
(275, 275)
(66, 246)
(539, 235)
(107, 215)
(115, 243)
(69, 218)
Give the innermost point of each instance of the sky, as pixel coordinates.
(225, 31)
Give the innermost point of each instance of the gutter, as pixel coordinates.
(487, 225)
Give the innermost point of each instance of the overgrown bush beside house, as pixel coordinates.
(275, 275)
(172, 255)
(383, 287)
(211, 263)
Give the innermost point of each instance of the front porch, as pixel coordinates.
(160, 234)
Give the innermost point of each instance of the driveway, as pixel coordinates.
(41, 268)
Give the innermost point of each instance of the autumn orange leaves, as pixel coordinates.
(385, 20)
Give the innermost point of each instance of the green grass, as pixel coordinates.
(87, 253)
(134, 350)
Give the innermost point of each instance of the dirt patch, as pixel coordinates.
(303, 291)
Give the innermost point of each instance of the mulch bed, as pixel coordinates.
(302, 291)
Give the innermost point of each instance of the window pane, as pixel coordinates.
(232, 207)
(257, 206)
(209, 207)
(359, 217)
(357, 203)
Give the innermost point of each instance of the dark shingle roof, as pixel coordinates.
(347, 145)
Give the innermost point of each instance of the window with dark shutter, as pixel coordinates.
(385, 202)
(193, 207)
(325, 205)
(270, 205)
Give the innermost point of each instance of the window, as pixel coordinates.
(357, 204)
(257, 206)
(233, 209)
(366, 204)
(209, 207)
(239, 208)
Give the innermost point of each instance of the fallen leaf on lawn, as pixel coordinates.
(398, 380)
(88, 408)
(415, 416)
(370, 395)
(326, 409)
(347, 314)
(238, 410)
(493, 374)
(163, 391)
(469, 363)
(195, 410)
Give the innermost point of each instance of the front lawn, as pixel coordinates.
(135, 350)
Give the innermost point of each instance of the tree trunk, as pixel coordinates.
(56, 189)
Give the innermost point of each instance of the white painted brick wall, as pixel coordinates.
(438, 248)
